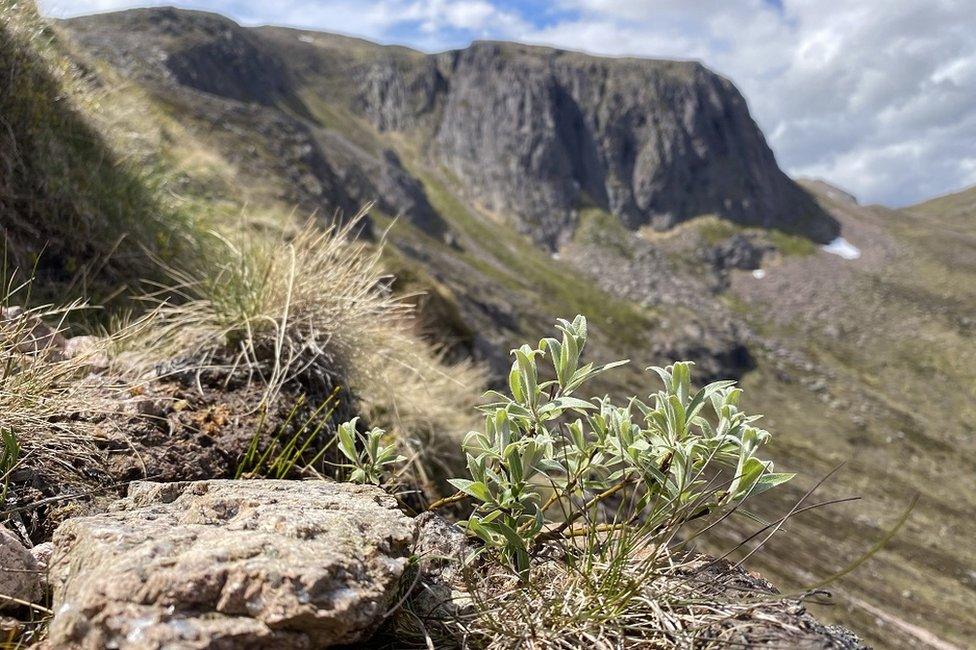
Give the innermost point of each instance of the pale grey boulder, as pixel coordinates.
(221, 564)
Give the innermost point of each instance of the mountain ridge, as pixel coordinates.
(544, 131)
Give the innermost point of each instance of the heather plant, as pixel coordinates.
(547, 458)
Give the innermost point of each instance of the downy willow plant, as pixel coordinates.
(543, 440)
(373, 461)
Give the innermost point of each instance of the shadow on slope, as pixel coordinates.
(71, 208)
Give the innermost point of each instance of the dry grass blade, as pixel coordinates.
(313, 310)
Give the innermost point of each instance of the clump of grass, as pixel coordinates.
(285, 453)
(9, 457)
(308, 306)
(47, 404)
(791, 245)
(597, 226)
(310, 311)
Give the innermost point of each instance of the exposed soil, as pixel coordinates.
(185, 426)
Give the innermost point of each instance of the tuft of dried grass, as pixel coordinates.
(313, 309)
(282, 308)
(621, 593)
(48, 404)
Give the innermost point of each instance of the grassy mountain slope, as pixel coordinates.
(884, 381)
(868, 361)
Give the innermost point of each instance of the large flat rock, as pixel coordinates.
(229, 564)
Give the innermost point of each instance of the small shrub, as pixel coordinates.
(541, 439)
(370, 461)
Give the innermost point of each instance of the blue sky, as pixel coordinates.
(876, 96)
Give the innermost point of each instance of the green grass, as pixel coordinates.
(714, 231)
(295, 447)
(791, 245)
(87, 218)
(599, 227)
(556, 287)
(898, 400)
(339, 119)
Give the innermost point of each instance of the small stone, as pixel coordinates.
(33, 336)
(88, 349)
(19, 575)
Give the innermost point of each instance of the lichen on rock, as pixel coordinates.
(211, 564)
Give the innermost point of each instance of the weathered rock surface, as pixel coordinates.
(222, 564)
(536, 133)
(19, 574)
(442, 549)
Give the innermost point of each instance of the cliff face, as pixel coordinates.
(532, 134)
(538, 133)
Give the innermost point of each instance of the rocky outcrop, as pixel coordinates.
(200, 50)
(393, 97)
(536, 133)
(236, 86)
(219, 564)
(740, 251)
(692, 324)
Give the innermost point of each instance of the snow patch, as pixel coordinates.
(306, 39)
(843, 248)
(759, 274)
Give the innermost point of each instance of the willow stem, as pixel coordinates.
(446, 501)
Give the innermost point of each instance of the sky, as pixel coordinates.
(875, 96)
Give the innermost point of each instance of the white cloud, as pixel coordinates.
(877, 95)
